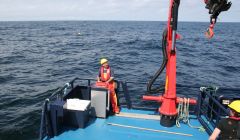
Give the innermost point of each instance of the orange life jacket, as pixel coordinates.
(105, 74)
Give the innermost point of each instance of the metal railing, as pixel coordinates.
(210, 110)
(45, 125)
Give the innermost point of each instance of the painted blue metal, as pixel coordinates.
(208, 111)
(99, 129)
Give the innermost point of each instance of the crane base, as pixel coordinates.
(168, 121)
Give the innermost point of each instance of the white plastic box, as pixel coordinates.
(76, 112)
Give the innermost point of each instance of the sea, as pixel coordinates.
(38, 57)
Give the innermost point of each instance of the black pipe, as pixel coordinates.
(160, 70)
(164, 48)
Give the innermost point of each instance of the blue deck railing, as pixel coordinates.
(210, 109)
(45, 125)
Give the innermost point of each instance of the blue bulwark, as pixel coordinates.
(125, 128)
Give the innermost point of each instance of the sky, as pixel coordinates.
(140, 10)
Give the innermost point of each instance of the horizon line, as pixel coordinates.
(64, 20)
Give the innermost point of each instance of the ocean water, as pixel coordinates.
(38, 57)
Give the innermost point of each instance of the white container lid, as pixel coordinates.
(76, 104)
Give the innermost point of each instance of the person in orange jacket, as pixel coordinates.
(106, 75)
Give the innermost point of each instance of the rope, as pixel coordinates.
(180, 115)
(183, 114)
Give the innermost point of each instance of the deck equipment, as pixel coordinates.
(169, 99)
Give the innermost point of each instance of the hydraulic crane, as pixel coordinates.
(169, 99)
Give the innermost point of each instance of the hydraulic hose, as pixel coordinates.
(150, 90)
(216, 7)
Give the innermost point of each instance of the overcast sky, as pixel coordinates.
(149, 10)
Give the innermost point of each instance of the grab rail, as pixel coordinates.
(44, 130)
(43, 120)
(210, 110)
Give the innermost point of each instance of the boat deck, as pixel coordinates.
(130, 126)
